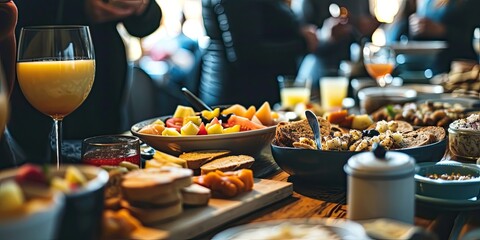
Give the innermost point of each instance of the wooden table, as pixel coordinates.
(313, 201)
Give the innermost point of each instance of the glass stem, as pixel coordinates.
(58, 140)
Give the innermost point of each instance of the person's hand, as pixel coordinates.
(424, 27)
(335, 29)
(309, 33)
(99, 11)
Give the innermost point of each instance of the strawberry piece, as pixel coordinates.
(30, 173)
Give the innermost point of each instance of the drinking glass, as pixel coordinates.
(379, 62)
(111, 150)
(294, 91)
(4, 110)
(476, 42)
(55, 70)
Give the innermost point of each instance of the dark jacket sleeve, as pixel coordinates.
(264, 33)
(145, 24)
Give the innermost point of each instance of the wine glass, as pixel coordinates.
(55, 70)
(379, 62)
(476, 42)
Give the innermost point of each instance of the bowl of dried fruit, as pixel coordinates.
(447, 180)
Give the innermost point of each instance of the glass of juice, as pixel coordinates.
(111, 150)
(379, 62)
(55, 70)
(293, 91)
(332, 92)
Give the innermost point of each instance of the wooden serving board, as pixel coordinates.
(195, 221)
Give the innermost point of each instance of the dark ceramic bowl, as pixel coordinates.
(447, 189)
(326, 167)
(84, 207)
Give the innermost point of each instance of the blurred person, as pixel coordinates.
(452, 21)
(102, 110)
(251, 43)
(339, 23)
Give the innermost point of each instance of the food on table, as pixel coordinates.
(153, 195)
(464, 136)
(25, 194)
(422, 136)
(122, 225)
(452, 176)
(285, 231)
(196, 159)
(195, 195)
(167, 159)
(228, 163)
(462, 80)
(287, 133)
(391, 135)
(430, 113)
(236, 118)
(227, 184)
(343, 119)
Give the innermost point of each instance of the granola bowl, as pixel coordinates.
(326, 167)
(464, 136)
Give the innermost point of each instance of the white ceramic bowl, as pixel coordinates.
(341, 228)
(373, 98)
(247, 142)
(41, 224)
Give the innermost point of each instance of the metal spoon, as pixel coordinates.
(313, 122)
(198, 104)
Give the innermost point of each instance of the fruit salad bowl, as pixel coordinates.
(228, 127)
(250, 142)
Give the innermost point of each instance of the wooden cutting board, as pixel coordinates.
(195, 221)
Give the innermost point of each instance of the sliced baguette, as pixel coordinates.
(229, 163)
(196, 195)
(197, 158)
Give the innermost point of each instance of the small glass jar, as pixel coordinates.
(464, 143)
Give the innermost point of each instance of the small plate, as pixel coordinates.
(449, 204)
(418, 47)
(277, 229)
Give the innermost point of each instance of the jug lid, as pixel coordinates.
(380, 163)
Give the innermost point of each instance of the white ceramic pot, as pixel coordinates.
(381, 185)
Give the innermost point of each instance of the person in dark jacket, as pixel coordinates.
(251, 43)
(101, 112)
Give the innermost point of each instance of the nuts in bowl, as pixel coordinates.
(464, 136)
(447, 180)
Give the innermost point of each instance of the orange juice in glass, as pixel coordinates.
(55, 70)
(332, 92)
(56, 88)
(293, 91)
(379, 62)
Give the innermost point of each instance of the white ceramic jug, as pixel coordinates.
(381, 185)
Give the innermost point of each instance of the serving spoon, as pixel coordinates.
(198, 104)
(313, 122)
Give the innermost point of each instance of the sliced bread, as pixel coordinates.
(287, 133)
(198, 158)
(438, 132)
(416, 139)
(229, 163)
